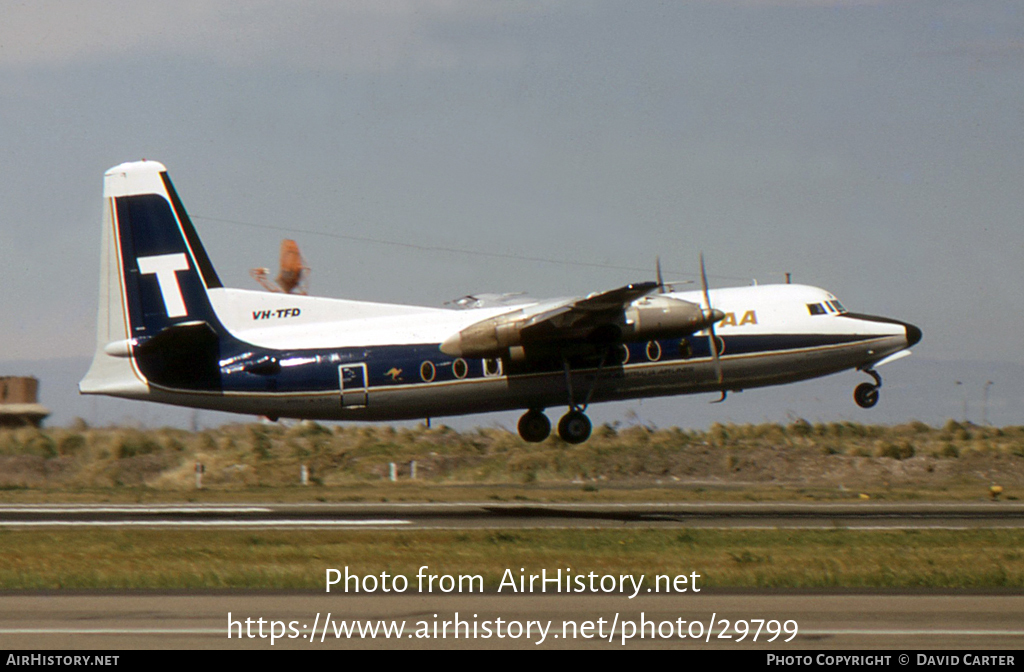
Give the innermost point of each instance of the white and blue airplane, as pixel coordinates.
(169, 331)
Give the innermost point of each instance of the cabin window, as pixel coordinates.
(492, 368)
(623, 353)
(653, 351)
(427, 371)
(816, 309)
(460, 368)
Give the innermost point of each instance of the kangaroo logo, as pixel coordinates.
(166, 266)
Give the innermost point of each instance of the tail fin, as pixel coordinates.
(155, 322)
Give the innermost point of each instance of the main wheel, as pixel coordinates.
(534, 426)
(866, 395)
(574, 427)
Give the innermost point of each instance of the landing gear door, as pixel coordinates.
(352, 380)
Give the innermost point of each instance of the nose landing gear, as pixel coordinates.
(866, 394)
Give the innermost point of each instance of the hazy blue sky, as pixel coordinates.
(872, 148)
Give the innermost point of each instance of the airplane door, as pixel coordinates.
(352, 381)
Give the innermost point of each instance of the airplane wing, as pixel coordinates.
(594, 310)
(615, 299)
(619, 314)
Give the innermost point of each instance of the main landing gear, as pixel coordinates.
(534, 426)
(866, 394)
(574, 427)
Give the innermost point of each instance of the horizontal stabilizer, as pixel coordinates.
(185, 336)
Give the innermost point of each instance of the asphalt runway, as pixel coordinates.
(857, 515)
(843, 620)
(901, 622)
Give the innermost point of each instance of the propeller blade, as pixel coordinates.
(661, 283)
(712, 339)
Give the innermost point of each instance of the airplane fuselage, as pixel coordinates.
(352, 360)
(168, 331)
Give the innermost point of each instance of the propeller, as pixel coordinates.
(661, 283)
(712, 339)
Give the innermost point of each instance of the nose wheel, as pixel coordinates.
(866, 394)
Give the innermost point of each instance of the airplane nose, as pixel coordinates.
(913, 335)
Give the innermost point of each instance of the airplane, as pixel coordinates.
(168, 331)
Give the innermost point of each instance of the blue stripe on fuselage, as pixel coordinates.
(400, 365)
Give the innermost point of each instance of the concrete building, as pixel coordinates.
(19, 403)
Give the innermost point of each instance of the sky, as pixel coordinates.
(421, 150)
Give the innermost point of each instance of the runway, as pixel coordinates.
(858, 515)
(311, 621)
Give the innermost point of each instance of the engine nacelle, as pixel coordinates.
(489, 338)
(664, 317)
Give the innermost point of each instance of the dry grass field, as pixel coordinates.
(759, 462)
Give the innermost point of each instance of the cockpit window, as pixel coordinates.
(816, 309)
(838, 306)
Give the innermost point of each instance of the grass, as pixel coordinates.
(245, 463)
(350, 463)
(106, 559)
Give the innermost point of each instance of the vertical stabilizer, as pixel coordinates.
(155, 324)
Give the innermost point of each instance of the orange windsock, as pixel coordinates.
(292, 266)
